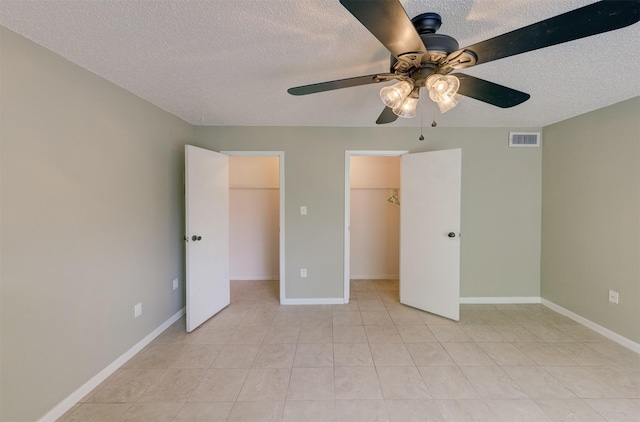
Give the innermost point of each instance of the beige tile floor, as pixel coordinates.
(371, 360)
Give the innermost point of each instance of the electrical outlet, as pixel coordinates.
(175, 283)
(303, 272)
(137, 310)
(613, 296)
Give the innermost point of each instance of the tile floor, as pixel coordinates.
(371, 360)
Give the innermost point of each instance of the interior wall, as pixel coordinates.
(254, 218)
(375, 223)
(591, 216)
(92, 223)
(501, 200)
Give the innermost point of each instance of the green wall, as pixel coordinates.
(591, 216)
(92, 221)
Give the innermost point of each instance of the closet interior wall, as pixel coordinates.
(375, 217)
(254, 217)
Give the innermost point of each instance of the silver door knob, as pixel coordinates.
(451, 234)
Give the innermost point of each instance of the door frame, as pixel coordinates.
(347, 206)
(280, 155)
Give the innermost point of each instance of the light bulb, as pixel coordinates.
(407, 109)
(394, 95)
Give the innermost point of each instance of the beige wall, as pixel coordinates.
(501, 196)
(254, 172)
(591, 216)
(92, 223)
(373, 172)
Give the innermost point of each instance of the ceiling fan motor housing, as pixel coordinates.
(427, 24)
(438, 46)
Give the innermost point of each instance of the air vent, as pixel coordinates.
(524, 139)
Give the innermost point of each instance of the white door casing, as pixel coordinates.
(207, 218)
(429, 215)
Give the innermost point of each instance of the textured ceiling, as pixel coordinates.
(220, 62)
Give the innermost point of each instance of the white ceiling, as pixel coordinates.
(230, 62)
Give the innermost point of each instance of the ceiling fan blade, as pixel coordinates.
(387, 116)
(589, 20)
(389, 23)
(331, 85)
(489, 92)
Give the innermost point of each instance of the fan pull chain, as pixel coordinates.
(433, 122)
(421, 138)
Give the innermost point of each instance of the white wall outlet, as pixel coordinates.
(175, 283)
(303, 272)
(303, 210)
(137, 310)
(613, 296)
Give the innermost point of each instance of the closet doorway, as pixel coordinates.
(372, 198)
(429, 247)
(375, 219)
(256, 235)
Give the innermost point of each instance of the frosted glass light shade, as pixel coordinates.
(407, 109)
(448, 103)
(442, 87)
(393, 96)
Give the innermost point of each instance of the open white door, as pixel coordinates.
(429, 232)
(207, 234)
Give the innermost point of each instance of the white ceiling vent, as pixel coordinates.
(524, 139)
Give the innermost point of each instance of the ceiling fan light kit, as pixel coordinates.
(420, 58)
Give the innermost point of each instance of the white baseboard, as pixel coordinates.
(623, 341)
(314, 301)
(66, 404)
(375, 277)
(254, 277)
(629, 344)
(497, 300)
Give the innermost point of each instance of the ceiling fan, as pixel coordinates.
(421, 58)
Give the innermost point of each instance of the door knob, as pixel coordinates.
(194, 237)
(451, 234)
